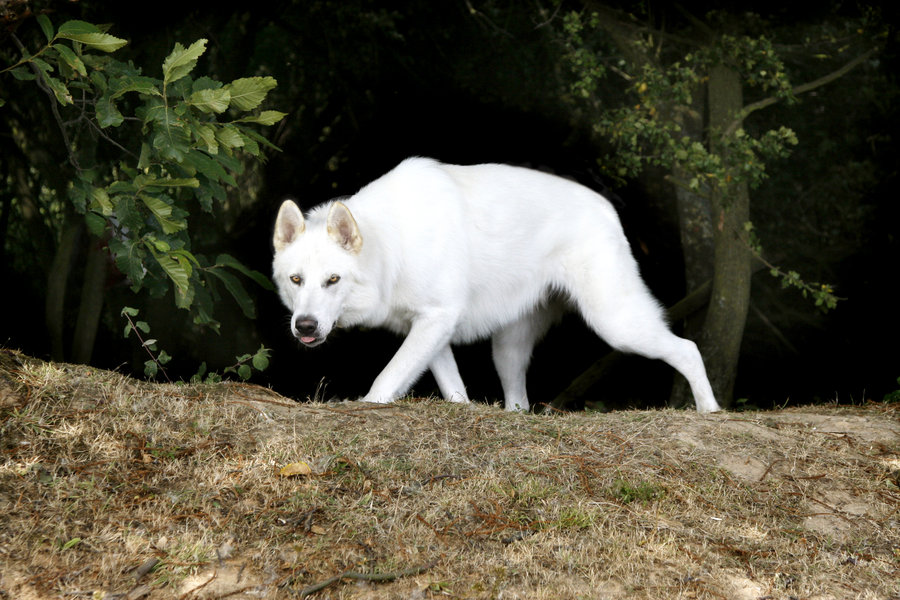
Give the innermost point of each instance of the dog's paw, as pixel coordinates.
(376, 399)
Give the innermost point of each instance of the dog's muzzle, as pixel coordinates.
(306, 329)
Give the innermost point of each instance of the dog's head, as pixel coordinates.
(315, 266)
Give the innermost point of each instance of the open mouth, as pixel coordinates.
(310, 340)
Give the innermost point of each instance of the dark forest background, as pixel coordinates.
(366, 84)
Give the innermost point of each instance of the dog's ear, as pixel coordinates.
(288, 225)
(342, 228)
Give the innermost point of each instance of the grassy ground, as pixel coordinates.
(114, 488)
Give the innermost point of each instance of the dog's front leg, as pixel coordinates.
(428, 335)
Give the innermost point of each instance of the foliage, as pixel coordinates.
(647, 129)
(627, 492)
(158, 358)
(895, 395)
(243, 367)
(176, 140)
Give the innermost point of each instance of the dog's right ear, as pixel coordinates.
(288, 225)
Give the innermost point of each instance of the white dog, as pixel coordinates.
(447, 254)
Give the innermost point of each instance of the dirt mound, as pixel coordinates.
(115, 488)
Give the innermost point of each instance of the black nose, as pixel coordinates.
(306, 325)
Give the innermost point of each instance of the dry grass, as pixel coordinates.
(101, 475)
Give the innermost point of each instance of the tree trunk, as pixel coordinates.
(91, 306)
(730, 298)
(696, 233)
(57, 281)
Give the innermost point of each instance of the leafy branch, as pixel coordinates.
(822, 293)
(243, 366)
(649, 132)
(181, 143)
(801, 89)
(156, 362)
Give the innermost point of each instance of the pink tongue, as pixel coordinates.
(307, 340)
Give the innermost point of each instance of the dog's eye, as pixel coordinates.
(333, 280)
(296, 279)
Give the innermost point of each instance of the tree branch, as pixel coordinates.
(73, 160)
(800, 89)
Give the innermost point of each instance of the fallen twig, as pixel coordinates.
(312, 589)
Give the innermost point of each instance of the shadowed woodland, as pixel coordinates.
(751, 157)
(144, 150)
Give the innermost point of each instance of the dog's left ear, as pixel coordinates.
(288, 225)
(342, 228)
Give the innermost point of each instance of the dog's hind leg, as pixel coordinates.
(644, 332)
(512, 346)
(446, 373)
(623, 312)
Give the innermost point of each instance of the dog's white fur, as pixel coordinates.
(447, 254)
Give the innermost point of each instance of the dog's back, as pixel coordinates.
(493, 239)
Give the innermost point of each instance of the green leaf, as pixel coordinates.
(71, 543)
(135, 83)
(211, 101)
(108, 114)
(203, 307)
(154, 110)
(71, 59)
(237, 291)
(226, 260)
(266, 117)
(260, 139)
(231, 163)
(150, 181)
(244, 371)
(250, 145)
(184, 254)
(172, 142)
(23, 74)
(209, 167)
(249, 92)
(207, 135)
(100, 201)
(99, 81)
(128, 213)
(201, 371)
(182, 61)
(89, 35)
(177, 268)
(162, 210)
(130, 311)
(128, 258)
(59, 90)
(229, 136)
(144, 158)
(46, 26)
(96, 224)
(160, 245)
(150, 368)
(261, 359)
(205, 83)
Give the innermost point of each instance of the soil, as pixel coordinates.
(116, 488)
